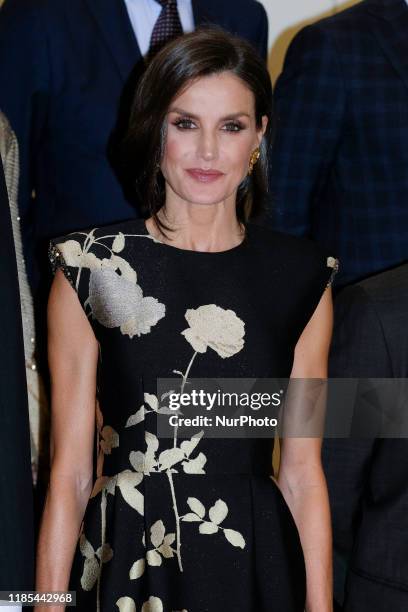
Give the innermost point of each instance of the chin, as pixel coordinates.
(205, 198)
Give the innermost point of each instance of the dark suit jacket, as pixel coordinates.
(63, 67)
(340, 158)
(16, 512)
(368, 479)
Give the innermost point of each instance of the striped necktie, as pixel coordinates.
(167, 26)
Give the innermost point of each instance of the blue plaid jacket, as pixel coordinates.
(339, 163)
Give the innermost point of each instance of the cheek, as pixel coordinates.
(175, 151)
(238, 159)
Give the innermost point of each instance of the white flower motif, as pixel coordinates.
(115, 298)
(118, 302)
(214, 327)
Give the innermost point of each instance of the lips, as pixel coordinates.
(204, 176)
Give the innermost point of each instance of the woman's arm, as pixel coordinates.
(73, 357)
(301, 478)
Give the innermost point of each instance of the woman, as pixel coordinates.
(198, 291)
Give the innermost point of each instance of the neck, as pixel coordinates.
(199, 227)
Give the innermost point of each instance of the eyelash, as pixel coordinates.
(180, 124)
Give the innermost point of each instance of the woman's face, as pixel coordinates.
(211, 134)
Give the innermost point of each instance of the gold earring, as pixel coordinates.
(253, 160)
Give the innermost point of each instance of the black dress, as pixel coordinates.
(203, 528)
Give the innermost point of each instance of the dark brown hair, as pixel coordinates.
(204, 52)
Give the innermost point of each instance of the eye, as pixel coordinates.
(184, 124)
(233, 126)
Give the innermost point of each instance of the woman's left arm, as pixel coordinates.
(301, 478)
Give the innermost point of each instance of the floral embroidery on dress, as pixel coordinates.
(153, 604)
(213, 327)
(115, 299)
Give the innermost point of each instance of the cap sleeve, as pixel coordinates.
(68, 253)
(333, 264)
(316, 271)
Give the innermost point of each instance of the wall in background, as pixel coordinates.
(287, 17)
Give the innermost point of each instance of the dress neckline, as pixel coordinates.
(195, 253)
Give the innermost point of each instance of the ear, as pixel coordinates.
(260, 133)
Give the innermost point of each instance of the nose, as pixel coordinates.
(207, 146)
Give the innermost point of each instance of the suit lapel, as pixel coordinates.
(116, 29)
(389, 22)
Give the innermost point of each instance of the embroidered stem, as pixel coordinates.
(177, 517)
(183, 382)
(103, 534)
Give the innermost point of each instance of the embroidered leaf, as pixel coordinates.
(126, 604)
(154, 604)
(119, 243)
(195, 466)
(190, 517)
(166, 410)
(169, 538)
(136, 459)
(218, 511)
(90, 574)
(170, 457)
(153, 558)
(234, 537)
(111, 484)
(86, 547)
(136, 418)
(207, 527)
(151, 400)
(196, 506)
(110, 439)
(137, 569)
(76, 258)
(166, 394)
(166, 551)
(127, 481)
(189, 445)
(157, 531)
(151, 441)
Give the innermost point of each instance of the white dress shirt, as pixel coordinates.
(143, 15)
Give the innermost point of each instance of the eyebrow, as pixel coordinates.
(184, 112)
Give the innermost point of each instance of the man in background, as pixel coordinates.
(367, 477)
(340, 158)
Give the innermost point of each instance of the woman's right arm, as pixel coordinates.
(73, 358)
